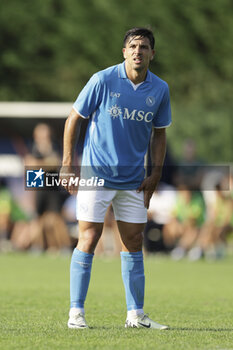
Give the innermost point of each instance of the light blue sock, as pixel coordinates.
(80, 273)
(132, 269)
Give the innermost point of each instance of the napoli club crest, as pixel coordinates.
(150, 101)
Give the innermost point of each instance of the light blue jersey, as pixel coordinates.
(121, 119)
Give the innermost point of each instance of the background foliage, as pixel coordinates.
(49, 49)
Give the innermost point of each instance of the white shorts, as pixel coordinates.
(128, 205)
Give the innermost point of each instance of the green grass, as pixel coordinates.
(195, 299)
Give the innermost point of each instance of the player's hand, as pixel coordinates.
(66, 174)
(148, 186)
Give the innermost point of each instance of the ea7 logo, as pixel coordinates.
(138, 115)
(115, 94)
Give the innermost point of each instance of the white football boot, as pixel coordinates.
(143, 321)
(76, 320)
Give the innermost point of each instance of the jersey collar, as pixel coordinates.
(122, 73)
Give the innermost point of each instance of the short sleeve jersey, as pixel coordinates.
(121, 121)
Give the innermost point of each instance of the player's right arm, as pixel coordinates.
(71, 131)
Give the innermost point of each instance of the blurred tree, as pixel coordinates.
(49, 49)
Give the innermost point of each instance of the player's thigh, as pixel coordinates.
(128, 206)
(131, 216)
(92, 204)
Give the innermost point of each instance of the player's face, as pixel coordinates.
(138, 53)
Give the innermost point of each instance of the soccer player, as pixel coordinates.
(127, 106)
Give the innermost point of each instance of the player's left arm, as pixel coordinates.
(158, 151)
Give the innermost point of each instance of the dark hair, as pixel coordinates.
(142, 32)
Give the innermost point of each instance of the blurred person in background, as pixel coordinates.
(159, 214)
(47, 230)
(212, 241)
(189, 172)
(187, 219)
(11, 214)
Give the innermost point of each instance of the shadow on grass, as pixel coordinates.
(202, 329)
(187, 329)
(105, 328)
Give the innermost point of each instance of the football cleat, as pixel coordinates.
(143, 321)
(77, 321)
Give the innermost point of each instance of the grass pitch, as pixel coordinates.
(195, 299)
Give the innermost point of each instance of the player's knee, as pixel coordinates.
(134, 242)
(88, 240)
